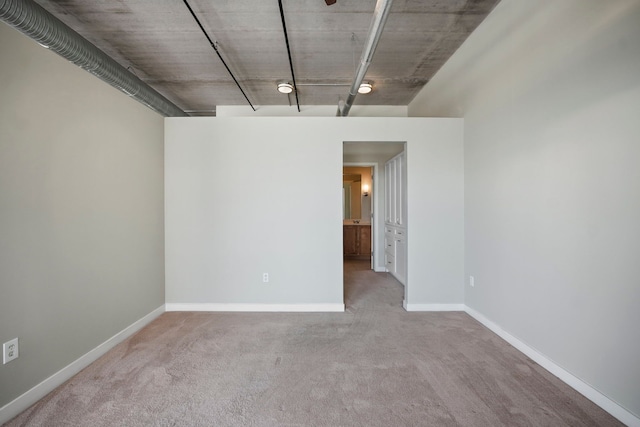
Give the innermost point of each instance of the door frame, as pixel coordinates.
(374, 194)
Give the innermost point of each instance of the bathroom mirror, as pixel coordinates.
(351, 192)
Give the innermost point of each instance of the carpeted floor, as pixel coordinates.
(374, 365)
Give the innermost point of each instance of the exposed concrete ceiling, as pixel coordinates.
(162, 44)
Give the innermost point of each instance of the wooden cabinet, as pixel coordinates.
(365, 240)
(395, 236)
(356, 241)
(349, 239)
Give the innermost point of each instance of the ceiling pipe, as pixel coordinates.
(31, 19)
(213, 45)
(380, 16)
(286, 39)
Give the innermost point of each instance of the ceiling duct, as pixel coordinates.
(375, 31)
(34, 21)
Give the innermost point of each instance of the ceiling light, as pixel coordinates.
(285, 87)
(365, 87)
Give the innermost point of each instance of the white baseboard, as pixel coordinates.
(433, 307)
(22, 402)
(256, 307)
(585, 389)
(380, 269)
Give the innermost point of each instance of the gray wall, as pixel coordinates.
(237, 207)
(550, 95)
(81, 211)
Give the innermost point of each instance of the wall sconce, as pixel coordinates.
(365, 190)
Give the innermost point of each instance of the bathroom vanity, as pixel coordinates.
(356, 241)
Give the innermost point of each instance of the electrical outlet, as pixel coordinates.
(265, 277)
(471, 281)
(10, 351)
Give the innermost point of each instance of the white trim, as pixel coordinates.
(31, 396)
(375, 193)
(433, 307)
(256, 307)
(380, 269)
(582, 387)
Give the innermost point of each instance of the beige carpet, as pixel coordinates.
(375, 365)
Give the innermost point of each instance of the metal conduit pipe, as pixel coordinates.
(215, 48)
(34, 21)
(380, 15)
(286, 39)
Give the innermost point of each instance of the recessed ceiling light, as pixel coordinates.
(285, 87)
(365, 87)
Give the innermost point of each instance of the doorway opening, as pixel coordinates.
(357, 211)
(364, 170)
